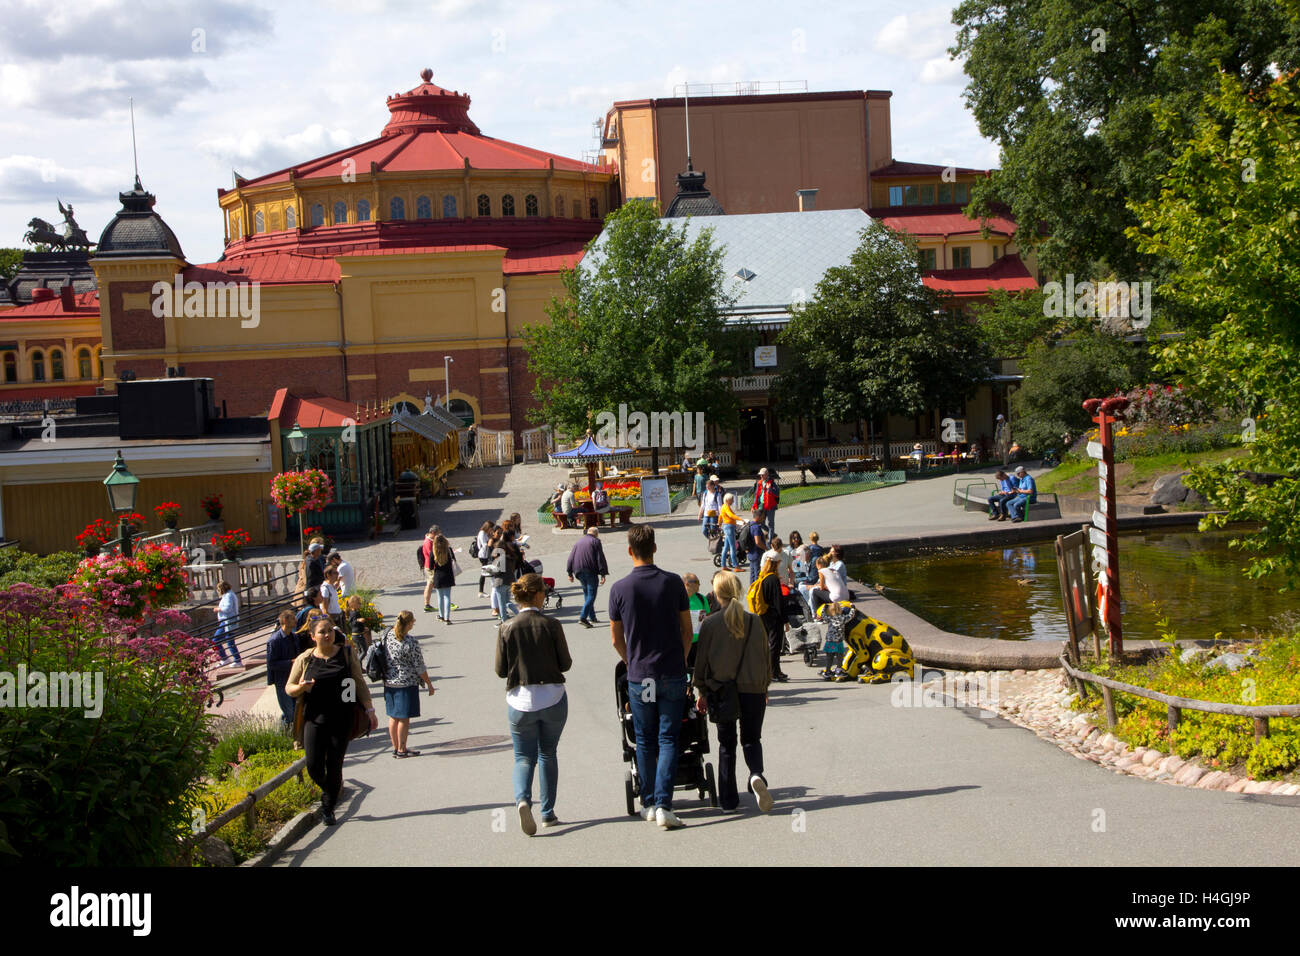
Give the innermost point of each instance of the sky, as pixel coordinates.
(222, 85)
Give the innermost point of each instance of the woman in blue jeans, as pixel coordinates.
(532, 656)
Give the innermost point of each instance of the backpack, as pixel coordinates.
(473, 548)
(757, 603)
(376, 662)
(419, 557)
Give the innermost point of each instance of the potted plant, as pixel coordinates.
(213, 506)
(95, 534)
(231, 543)
(169, 513)
(297, 492)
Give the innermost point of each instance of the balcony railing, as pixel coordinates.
(753, 383)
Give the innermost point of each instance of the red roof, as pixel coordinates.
(267, 269)
(317, 411)
(552, 258)
(429, 129)
(84, 303)
(939, 221)
(895, 168)
(1008, 273)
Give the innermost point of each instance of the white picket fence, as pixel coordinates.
(897, 449)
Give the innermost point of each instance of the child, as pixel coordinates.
(699, 607)
(360, 634)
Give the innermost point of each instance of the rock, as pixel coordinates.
(1259, 786)
(1107, 740)
(1189, 775)
(1172, 764)
(1214, 780)
(1140, 771)
(1169, 490)
(217, 852)
(1193, 654)
(1018, 672)
(1151, 757)
(1239, 786)
(1290, 790)
(1228, 662)
(1123, 763)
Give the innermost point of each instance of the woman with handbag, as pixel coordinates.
(331, 690)
(532, 655)
(402, 679)
(732, 673)
(503, 568)
(444, 576)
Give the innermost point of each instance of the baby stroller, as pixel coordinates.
(693, 771)
(714, 545)
(550, 585)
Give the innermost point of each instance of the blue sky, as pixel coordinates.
(252, 86)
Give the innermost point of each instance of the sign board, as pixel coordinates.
(654, 496)
(1103, 472)
(1076, 587)
(1099, 521)
(765, 356)
(1100, 555)
(1097, 537)
(1094, 450)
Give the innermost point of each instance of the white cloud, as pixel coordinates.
(26, 179)
(256, 153)
(941, 69)
(917, 36)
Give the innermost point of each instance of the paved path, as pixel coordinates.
(856, 779)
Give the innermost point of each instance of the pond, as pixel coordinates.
(1014, 594)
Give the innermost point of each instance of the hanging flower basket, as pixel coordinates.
(298, 491)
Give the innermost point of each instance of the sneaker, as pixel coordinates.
(993, 517)
(586, 624)
(648, 814)
(327, 817)
(455, 607)
(551, 821)
(668, 820)
(428, 608)
(759, 786)
(526, 822)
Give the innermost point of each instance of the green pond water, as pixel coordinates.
(1014, 594)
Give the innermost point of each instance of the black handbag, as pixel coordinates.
(723, 696)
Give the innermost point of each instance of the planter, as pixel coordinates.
(229, 555)
(214, 516)
(171, 524)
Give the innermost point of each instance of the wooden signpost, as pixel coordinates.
(1104, 533)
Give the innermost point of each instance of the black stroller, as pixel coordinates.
(693, 771)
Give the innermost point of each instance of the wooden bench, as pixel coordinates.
(620, 515)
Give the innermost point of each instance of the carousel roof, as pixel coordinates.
(589, 451)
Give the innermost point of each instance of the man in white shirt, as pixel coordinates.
(347, 576)
(329, 592)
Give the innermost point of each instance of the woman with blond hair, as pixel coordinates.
(444, 575)
(532, 656)
(732, 648)
(730, 522)
(769, 585)
(329, 680)
(406, 672)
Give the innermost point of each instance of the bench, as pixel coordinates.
(972, 494)
(620, 515)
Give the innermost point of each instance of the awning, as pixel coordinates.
(427, 426)
(589, 451)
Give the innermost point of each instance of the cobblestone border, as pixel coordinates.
(1045, 710)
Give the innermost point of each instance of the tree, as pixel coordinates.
(1090, 362)
(642, 323)
(10, 261)
(874, 340)
(1009, 324)
(1066, 89)
(1228, 213)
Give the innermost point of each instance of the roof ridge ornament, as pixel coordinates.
(427, 75)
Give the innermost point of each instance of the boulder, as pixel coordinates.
(1228, 662)
(1169, 490)
(217, 852)
(1192, 654)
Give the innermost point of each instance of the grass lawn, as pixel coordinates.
(798, 494)
(1074, 477)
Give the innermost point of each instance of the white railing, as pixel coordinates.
(752, 383)
(897, 449)
(537, 443)
(258, 580)
(493, 448)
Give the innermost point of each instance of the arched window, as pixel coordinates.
(577, 209)
(593, 208)
(507, 205)
(530, 205)
(423, 208)
(38, 366)
(259, 222)
(448, 207)
(559, 206)
(234, 226)
(11, 367)
(462, 410)
(484, 205)
(363, 210)
(317, 215)
(396, 208)
(340, 213)
(84, 369)
(290, 218)
(56, 365)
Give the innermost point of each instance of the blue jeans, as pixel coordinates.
(590, 583)
(729, 558)
(755, 562)
(501, 600)
(537, 736)
(1023, 502)
(287, 703)
(658, 723)
(998, 502)
(222, 637)
(444, 603)
(710, 523)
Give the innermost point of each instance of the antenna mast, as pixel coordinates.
(135, 158)
(686, 88)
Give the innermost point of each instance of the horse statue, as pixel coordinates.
(72, 236)
(39, 231)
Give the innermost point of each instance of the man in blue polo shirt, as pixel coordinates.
(1026, 489)
(650, 621)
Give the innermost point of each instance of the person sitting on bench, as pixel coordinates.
(1007, 489)
(1028, 491)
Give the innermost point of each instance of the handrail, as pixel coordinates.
(247, 806)
(1259, 712)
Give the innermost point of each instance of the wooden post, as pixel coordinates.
(1109, 699)
(1175, 713)
(1261, 728)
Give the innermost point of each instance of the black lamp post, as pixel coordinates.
(122, 487)
(297, 439)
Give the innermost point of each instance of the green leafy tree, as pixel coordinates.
(1009, 324)
(1065, 87)
(643, 322)
(1090, 362)
(1228, 213)
(874, 340)
(10, 261)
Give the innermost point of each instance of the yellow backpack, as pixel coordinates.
(756, 602)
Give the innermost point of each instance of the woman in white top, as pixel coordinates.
(830, 587)
(484, 541)
(784, 562)
(227, 612)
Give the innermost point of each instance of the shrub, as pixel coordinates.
(272, 812)
(249, 735)
(41, 571)
(114, 789)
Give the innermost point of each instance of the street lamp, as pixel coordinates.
(297, 444)
(122, 486)
(446, 379)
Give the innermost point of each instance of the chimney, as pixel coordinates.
(807, 199)
(42, 294)
(69, 298)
